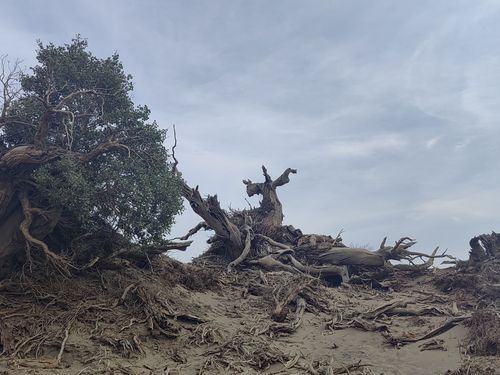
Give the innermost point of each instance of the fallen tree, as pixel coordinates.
(257, 237)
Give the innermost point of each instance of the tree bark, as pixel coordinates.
(16, 165)
(217, 219)
(269, 215)
(266, 219)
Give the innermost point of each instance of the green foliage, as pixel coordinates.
(66, 184)
(133, 189)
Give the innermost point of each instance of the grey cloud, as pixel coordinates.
(388, 108)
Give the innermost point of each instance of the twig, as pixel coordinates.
(63, 344)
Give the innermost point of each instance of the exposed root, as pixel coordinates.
(447, 325)
(277, 328)
(124, 294)
(273, 242)
(285, 294)
(270, 262)
(63, 343)
(247, 230)
(328, 367)
(61, 264)
(240, 352)
(436, 344)
(205, 334)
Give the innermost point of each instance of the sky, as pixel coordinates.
(388, 109)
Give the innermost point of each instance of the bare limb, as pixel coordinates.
(284, 178)
(271, 263)
(10, 76)
(193, 231)
(176, 162)
(272, 242)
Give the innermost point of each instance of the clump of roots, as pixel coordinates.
(484, 333)
(236, 354)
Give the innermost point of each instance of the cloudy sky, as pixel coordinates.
(390, 110)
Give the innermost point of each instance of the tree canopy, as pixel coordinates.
(80, 154)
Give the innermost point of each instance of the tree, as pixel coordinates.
(78, 160)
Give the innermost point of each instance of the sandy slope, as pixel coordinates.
(232, 339)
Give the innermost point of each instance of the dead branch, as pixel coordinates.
(284, 178)
(216, 218)
(270, 212)
(10, 76)
(417, 267)
(319, 271)
(272, 242)
(194, 230)
(352, 256)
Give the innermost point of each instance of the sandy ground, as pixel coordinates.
(232, 338)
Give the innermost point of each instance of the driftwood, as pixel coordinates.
(352, 257)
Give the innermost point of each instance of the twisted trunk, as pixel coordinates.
(16, 166)
(233, 229)
(216, 219)
(269, 215)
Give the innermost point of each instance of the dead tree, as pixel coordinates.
(232, 229)
(247, 235)
(269, 215)
(227, 234)
(254, 236)
(381, 258)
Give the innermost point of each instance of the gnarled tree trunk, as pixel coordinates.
(269, 216)
(229, 228)
(216, 219)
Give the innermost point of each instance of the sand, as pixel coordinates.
(232, 339)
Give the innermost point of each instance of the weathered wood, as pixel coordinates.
(217, 219)
(269, 214)
(352, 256)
